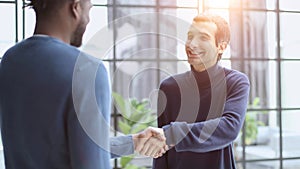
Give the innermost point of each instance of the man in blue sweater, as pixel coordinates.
(202, 110)
(55, 100)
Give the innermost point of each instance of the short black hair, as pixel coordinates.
(45, 7)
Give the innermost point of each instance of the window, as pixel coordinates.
(142, 42)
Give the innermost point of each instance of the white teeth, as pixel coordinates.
(196, 52)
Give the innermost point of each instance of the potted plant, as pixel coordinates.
(251, 123)
(137, 116)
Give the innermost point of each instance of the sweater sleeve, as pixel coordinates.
(215, 133)
(121, 146)
(88, 128)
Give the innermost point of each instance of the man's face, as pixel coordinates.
(200, 46)
(76, 40)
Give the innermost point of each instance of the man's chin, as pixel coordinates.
(193, 59)
(192, 62)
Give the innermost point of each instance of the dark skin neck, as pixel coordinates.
(59, 25)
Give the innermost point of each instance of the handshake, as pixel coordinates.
(150, 142)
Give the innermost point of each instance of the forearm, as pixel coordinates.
(201, 137)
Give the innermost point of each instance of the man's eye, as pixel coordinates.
(204, 38)
(190, 37)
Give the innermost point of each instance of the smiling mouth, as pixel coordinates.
(194, 54)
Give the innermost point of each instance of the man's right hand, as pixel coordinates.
(150, 142)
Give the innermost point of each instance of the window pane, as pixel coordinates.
(99, 2)
(29, 22)
(137, 46)
(265, 4)
(8, 30)
(260, 129)
(98, 21)
(8, 26)
(263, 165)
(4, 46)
(140, 79)
(259, 35)
(289, 5)
(174, 26)
(291, 164)
(216, 3)
(135, 79)
(271, 43)
(290, 84)
(133, 2)
(291, 133)
(271, 4)
(289, 35)
(248, 4)
(173, 31)
(179, 3)
(2, 166)
(263, 80)
(136, 32)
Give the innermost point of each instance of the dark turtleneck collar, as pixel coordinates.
(207, 77)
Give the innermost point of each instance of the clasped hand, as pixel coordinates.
(150, 142)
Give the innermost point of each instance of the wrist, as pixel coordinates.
(135, 140)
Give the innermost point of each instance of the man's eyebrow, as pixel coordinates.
(204, 34)
(201, 33)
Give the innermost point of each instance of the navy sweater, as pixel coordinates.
(201, 114)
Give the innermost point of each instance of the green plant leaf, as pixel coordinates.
(125, 161)
(131, 166)
(255, 102)
(124, 127)
(137, 117)
(122, 105)
(138, 127)
(150, 118)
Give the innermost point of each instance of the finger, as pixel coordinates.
(149, 132)
(158, 155)
(146, 148)
(160, 137)
(159, 133)
(166, 148)
(140, 144)
(157, 147)
(152, 147)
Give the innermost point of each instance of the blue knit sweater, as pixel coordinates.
(201, 114)
(38, 96)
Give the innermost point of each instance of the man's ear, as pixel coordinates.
(76, 9)
(222, 46)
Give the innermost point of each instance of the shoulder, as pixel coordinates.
(235, 77)
(88, 62)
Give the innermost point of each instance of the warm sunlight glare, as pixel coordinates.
(217, 3)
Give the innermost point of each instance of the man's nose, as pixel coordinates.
(193, 43)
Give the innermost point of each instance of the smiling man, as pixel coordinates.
(202, 110)
(55, 100)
